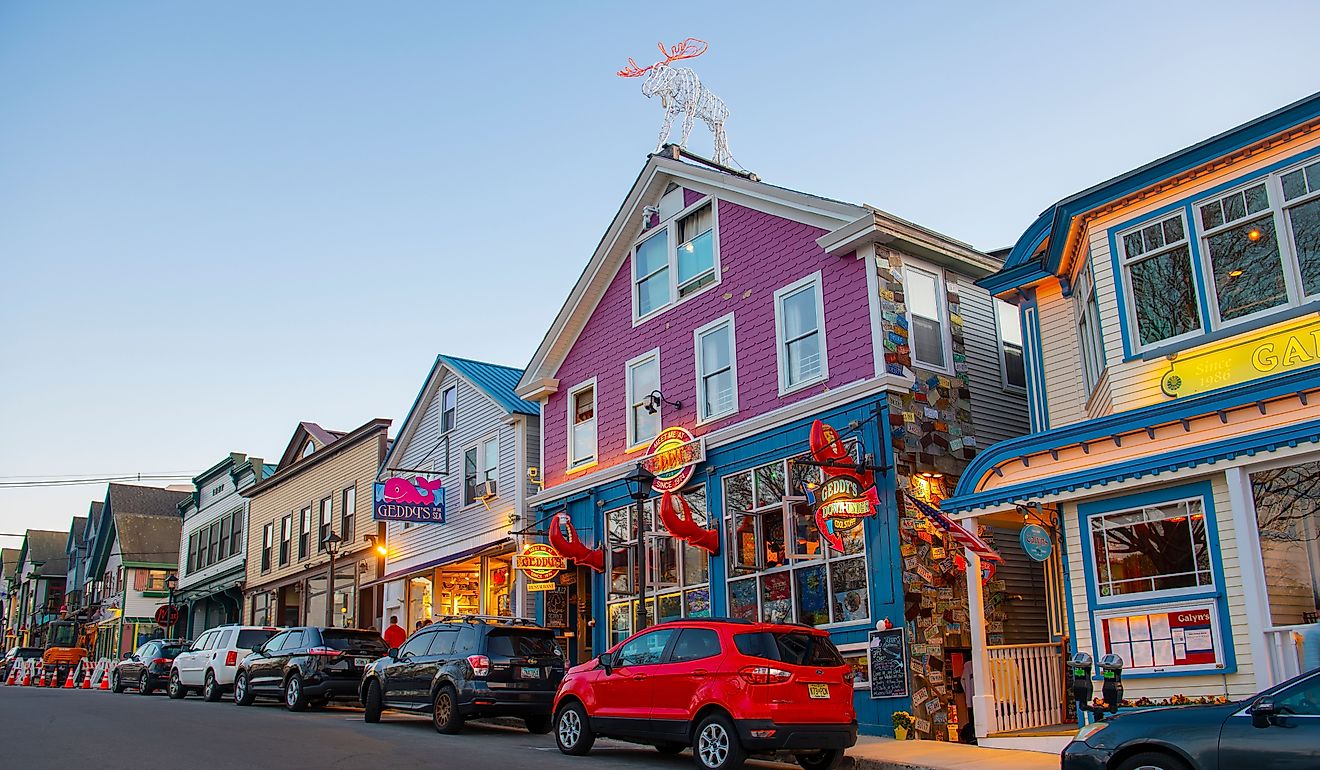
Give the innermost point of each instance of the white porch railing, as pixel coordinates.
(1028, 685)
(1283, 646)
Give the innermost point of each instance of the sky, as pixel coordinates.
(218, 220)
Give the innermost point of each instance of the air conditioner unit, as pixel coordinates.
(486, 490)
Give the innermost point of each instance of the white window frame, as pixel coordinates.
(1090, 342)
(941, 307)
(480, 445)
(634, 442)
(443, 392)
(669, 228)
(571, 463)
(781, 348)
(1003, 346)
(1125, 265)
(697, 335)
(1158, 594)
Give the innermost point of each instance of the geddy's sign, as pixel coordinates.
(417, 500)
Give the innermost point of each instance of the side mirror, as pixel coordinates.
(394, 653)
(127, 656)
(1263, 712)
(606, 661)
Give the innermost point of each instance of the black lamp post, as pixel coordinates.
(639, 488)
(171, 583)
(331, 543)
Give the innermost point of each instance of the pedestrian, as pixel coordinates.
(394, 633)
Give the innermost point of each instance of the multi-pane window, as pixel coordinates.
(1156, 548)
(717, 370)
(213, 543)
(799, 329)
(304, 532)
(780, 568)
(192, 553)
(236, 532)
(1010, 343)
(223, 525)
(1087, 313)
(676, 261)
(286, 535)
(1158, 263)
(926, 302)
(677, 573)
(643, 379)
(1244, 255)
(448, 409)
(323, 528)
(481, 464)
(267, 538)
(348, 513)
(582, 416)
(1301, 200)
(156, 580)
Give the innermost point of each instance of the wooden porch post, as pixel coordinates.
(983, 701)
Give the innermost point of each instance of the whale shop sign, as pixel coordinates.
(417, 500)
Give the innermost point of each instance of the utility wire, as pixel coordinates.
(37, 483)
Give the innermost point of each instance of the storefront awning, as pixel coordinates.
(442, 561)
(963, 536)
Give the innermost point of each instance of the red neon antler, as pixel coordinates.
(688, 49)
(632, 70)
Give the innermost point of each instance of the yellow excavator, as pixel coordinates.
(64, 650)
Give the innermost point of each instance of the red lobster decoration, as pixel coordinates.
(565, 540)
(845, 495)
(676, 515)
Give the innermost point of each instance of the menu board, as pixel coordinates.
(1164, 640)
(888, 661)
(556, 608)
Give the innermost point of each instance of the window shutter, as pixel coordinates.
(139, 580)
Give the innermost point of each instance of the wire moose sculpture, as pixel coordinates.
(680, 90)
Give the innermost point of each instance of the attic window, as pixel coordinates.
(676, 260)
(308, 448)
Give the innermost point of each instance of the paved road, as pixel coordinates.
(41, 728)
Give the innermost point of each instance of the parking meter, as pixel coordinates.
(1111, 687)
(1080, 664)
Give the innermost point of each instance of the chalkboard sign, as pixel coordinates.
(556, 608)
(888, 659)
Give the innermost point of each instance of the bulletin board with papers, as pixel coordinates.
(1170, 639)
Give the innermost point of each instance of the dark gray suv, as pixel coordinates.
(469, 666)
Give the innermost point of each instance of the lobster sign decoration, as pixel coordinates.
(676, 515)
(845, 496)
(564, 537)
(680, 90)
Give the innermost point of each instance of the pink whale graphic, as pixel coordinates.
(419, 491)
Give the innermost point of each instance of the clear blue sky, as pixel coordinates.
(219, 219)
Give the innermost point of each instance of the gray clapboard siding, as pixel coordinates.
(997, 413)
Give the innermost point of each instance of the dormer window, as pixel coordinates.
(677, 259)
(308, 448)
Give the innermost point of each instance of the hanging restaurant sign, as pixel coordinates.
(564, 538)
(672, 457)
(846, 495)
(417, 500)
(540, 562)
(1036, 542)
(1293, 347)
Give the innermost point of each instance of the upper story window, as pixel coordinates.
(929, 338)
(448, 408)
(1158, 263)
(267, 539)
(323, 530)
(676, 261)
(717, 370)
(1301, 196)
(582, 425)
(347, 513)
(800, 334)
(286, 533)
(1087, 313)
(481, 464)
(304, 532)
(643, 379)
(308, 448)
(1010, 344)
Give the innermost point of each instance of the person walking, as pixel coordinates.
(394, 634)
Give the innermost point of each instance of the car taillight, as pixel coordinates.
(231, 658)
(849, 676)
(161, 661)
(328, 652)
(764, 675)
(480, 665)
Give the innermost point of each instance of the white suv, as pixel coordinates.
(209, 665)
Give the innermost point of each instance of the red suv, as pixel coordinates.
(726, 688)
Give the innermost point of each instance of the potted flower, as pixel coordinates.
(903, 722)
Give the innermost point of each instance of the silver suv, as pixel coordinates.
(209, 665)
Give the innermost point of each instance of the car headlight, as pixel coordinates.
(1089, 730)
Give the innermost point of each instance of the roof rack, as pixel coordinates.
(739, 621)
(502, 620)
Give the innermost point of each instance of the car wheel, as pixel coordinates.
(295, 698)
(669, 749)
(573, 730)
(715, 745)
(115, 685)
(444, 712)
(211, 688)
(144, 686)
(828, 759)
(243, 694)
(1152, 760)
(371, 705)
(176, 688)
(540, 725)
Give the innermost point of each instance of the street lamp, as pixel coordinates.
(171, 583)
(331, 543)
(639, 488)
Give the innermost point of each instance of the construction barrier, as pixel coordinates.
(27, 676)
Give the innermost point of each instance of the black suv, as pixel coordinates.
(469, 666)
(307, 665)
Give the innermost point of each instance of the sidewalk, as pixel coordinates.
(873, 753)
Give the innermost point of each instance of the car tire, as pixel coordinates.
(1152, 759)
(211, 688)
(537, 725)
(444, 712)
(144, 688)
(176, 689)
(670, 749)
(295, 697)
(371, 703)
(573, 730)
(715, 745)
(828, 759)
(243, 695)
(116, 686)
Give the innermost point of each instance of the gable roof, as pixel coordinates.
(1038, 253)
(46, 548)
(8, 563)
(148, 539)
(75, 534)
(128, 499)
(341, 442)
(615, 245)
(320, 438)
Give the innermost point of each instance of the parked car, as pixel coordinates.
(1278, 728)
(726, 688)
(148, 667)
(470, 666)
(18, 656)
(308, 665)
(209, 665)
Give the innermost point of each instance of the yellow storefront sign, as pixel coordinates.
(1281, 350)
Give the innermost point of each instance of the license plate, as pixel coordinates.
(529, 672)
(363, 662)
(818, 691)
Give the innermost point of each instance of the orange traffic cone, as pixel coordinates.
(27, 676)
(68, 683)
(41, 681)
(87, 679)
(105, 679)
(13, 676)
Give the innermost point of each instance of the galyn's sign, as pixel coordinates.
(1286, 349)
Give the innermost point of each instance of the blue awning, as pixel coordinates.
(442, 561)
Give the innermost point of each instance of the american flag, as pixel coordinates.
(958, 532)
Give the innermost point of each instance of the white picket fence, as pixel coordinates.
(1284, 652)
(1028, 682)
